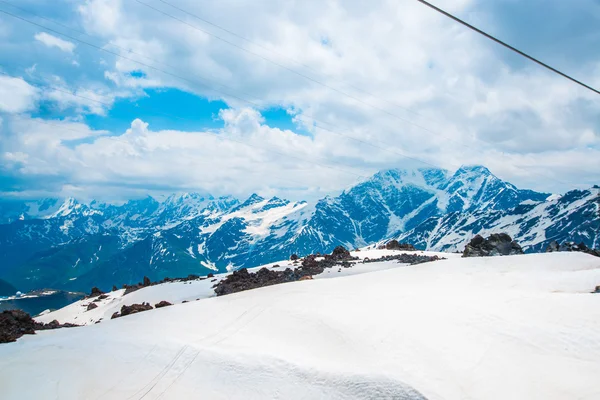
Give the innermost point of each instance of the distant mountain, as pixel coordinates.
(70, 245)
(6, 289)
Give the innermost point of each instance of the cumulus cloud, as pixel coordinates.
(16, 95)
(53, 41)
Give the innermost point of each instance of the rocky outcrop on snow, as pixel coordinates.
(162, 304)
(16, 323)
(497, 244)
(311, 265)
(404, 258)
(91, 306)
(132, 309)
(395, 245)
(571, 246)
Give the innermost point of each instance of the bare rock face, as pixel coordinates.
(497, 244)
(395, 245)
(162, 304)
(554, 246)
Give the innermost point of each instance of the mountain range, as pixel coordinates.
(74, 246)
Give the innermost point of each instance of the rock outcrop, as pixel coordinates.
(16, 323)
(132, 309)
(497, 244)
(554, 246)
(395, 245)
(162, 304)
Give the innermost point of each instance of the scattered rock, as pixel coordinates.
(395, 245)
(91, 306)
(183, 302)
(162, 304)
(571, 246)
(276, 266)
(497, 244)
(294, 257)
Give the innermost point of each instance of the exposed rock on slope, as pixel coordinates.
(16, 323)
(571, 246)
(498, 244)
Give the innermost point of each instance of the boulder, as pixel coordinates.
(395, 245)
(294, 257)
(162, 304)
(91, 306)
(341, 253)
(497, 244)
(114, 288)
(146, 282)
(306, 278)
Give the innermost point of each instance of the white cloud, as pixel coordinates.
(53, 41)
(16, 95)
(522, 122)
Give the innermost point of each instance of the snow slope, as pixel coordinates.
(177, 292)
(518, 327)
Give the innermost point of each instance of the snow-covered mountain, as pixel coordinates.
(70, 245)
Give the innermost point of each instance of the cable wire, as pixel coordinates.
(508, 46)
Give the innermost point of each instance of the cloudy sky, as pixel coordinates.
(113, 99)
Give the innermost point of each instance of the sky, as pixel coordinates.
(118, 99)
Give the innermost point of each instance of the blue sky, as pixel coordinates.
(442, 95)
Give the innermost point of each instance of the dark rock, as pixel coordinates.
(276, 266)
(14, 324)
(114, 288)
(571, 246)
(411, 259)
(497, 244)
(210, 275)
(131, 289)
(146, 282)
(341, 253)
(294, 257)
(91, 306)
(395, 245)
(95, 292)
(183, 302)
(132, 309)
(162, 304)
(103, 297)
(597, 290)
